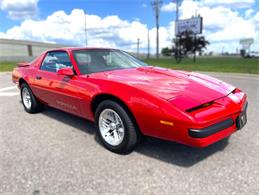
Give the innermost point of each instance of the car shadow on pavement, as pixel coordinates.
(169, 152)
(178, 154)
(69, 119)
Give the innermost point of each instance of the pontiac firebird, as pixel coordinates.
(128, 99)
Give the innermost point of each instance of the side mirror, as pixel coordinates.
(65, 72)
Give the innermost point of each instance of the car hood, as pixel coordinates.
(183, 89)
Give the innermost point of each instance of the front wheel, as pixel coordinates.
(115, 127)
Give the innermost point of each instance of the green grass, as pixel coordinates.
(7, 66)
(210, 64)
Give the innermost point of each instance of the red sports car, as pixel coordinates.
(128, 99)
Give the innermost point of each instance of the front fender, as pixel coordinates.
(149, 111)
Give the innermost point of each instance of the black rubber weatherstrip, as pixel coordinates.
(205, 132)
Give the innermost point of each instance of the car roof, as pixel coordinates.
(69, 49)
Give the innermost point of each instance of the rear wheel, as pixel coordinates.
(115, 127)
(30, 103)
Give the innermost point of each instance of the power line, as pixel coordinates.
(108, 28)
(156, 4)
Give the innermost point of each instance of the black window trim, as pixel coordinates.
(104, 49)
(52, 51)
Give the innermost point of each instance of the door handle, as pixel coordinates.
(38, 77)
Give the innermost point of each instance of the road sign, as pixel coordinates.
(193, 24)
(246, 43)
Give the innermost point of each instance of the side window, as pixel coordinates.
(56, 60)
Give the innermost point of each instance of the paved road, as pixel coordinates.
(55, 153)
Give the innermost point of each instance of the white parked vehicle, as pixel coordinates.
(252, 54)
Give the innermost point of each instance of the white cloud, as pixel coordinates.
(222, 25)
(165, 38)
(249, 13)
(235, 4)
(110, 31)
(2, 35)
(17, 9)
(144, 5)
(169, 7)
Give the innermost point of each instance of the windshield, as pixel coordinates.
(100, 60)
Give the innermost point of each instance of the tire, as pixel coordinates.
(127, 138)
(30, 103)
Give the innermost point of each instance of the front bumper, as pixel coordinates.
(240, 122)
(213, 133)
(201, 127)
(208, 131)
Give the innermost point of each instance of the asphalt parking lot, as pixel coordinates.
(56, 153)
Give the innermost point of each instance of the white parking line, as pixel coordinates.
(8, 94)
(7, 88)
(9, 91)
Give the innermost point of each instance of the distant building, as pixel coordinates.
(21, 50)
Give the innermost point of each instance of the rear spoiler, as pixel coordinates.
(23, 64)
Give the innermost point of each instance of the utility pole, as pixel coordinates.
(194, 49)
(138, 43)
(195, 38)
(177, 10)
(85, 29)
(148, 44)
(156, 6)
(177, 37)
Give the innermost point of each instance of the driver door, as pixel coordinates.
(59, 91)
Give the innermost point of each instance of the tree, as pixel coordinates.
(242, 53)
(166, 51)
(188, 42)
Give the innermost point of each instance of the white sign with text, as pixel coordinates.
(193, 24)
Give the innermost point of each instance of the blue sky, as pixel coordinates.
(225, 21)
(127, 10)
